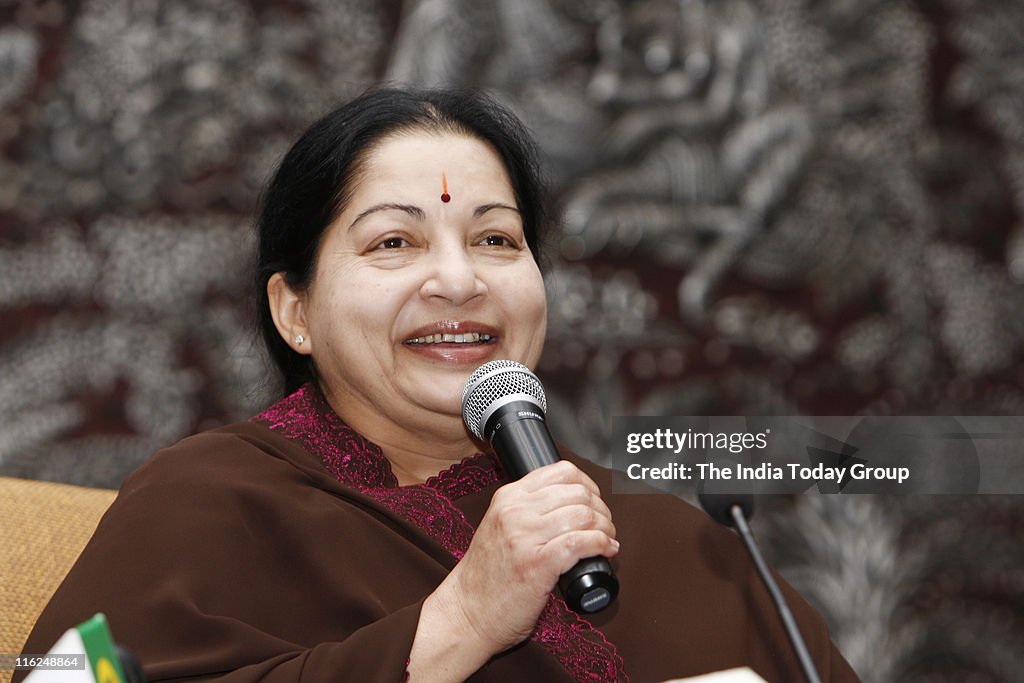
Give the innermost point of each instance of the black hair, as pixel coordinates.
(314, 181)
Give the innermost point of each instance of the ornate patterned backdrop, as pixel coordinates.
(769, 207)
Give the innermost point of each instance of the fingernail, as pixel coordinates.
(615, 543)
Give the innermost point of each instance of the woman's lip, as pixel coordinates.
(461, 354)
(451, 327)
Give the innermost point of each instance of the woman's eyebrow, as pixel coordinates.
(484, 208)
(414, 211)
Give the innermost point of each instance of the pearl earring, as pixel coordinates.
(299, 339)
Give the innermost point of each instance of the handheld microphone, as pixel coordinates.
(504, 405)
(732, 510)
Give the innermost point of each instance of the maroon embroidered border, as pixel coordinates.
(306, 417)
(469, 476)
(582, 649)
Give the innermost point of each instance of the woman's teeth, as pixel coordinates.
(467, 338)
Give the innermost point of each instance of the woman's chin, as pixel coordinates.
(443, 398)
(439, 387)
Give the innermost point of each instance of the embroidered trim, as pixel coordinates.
(582, 649)
(431, 512)
(469, 476)
(306, 417)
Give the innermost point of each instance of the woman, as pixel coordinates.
(353, 530)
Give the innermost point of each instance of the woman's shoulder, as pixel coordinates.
(664, 535)
(242, 451)
(216, 482)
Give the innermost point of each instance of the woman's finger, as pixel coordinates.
(566, 550)
(556, 496)
(561, 472)
(576, 518)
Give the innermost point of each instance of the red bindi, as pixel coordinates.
(445, 197)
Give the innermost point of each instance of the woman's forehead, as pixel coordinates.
(428, 158)
(425, 174)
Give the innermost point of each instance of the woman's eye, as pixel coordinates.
(392, 243)
(497, 241)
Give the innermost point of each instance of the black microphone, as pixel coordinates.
(504, 405)
(732, 510)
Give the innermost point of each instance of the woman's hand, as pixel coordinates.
(535, 530)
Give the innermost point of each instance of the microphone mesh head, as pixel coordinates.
(495, 380)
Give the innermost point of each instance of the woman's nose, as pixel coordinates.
(453, 276)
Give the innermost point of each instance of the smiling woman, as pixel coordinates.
(442, 288)
(319, 177)
(355, 529)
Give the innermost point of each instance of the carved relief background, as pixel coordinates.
(772, 207)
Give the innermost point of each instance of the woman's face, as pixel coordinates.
(424, 276)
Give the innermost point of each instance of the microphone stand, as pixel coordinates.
(740, 521)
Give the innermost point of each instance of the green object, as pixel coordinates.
(99, 648)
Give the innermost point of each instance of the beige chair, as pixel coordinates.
(43, 528)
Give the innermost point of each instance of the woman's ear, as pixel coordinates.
(288, 309)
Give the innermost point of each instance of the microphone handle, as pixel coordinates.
(590, 585)
(528, 445)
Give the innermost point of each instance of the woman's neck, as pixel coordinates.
(416, 453)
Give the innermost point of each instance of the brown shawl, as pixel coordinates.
(283, 549)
